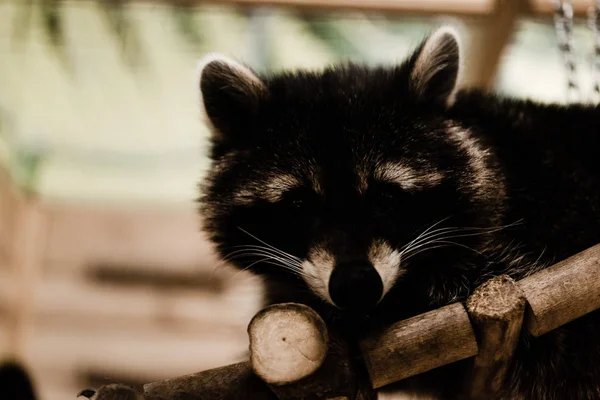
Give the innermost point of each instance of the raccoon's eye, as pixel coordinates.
(297, 203)
(385, 196)
(299, 200)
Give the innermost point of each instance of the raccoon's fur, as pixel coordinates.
(374, 194)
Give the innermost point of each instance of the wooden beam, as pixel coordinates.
(419, 344)
(428, 7)
(563, 292)
(489, 36)
(448, 7)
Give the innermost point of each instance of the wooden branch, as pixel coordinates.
(563, 292)
(231, 382)
(26, 260)
(419, 344)
(496, 309)
(113, 391)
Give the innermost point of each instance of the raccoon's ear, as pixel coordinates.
(230, 93)
(435, 67)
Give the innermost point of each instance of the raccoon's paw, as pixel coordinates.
(113, 391)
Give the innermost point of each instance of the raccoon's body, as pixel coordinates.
(375, 194)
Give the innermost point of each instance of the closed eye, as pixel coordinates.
(299, 200)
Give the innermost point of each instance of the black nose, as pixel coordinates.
(355, 286)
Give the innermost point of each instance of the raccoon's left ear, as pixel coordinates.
(231, 95)
(435, 67)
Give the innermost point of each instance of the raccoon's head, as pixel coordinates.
(352, 182)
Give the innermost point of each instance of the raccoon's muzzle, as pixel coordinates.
(355, 286)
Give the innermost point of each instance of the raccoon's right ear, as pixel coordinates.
(230, 93)
(436, 67)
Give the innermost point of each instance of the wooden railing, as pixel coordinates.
(292, 354)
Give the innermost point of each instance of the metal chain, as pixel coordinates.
(563, 25)
(594, 24)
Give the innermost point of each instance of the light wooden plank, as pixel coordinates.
(448, 7)
(26, 262)
(149, 355)
(82, 303)
(468, 7)
(580, 7)
(149, 237)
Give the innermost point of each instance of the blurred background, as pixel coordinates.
(104, 274)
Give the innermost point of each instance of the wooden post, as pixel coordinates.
(25, 260)
(496, 309)
(490, 34)
(419, 344)
(563, 292)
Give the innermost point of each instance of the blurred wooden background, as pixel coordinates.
(90, 294)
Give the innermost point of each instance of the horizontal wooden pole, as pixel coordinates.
(448, 7)
(429, 7)
(231, 382)
(419, 344)
(563, 292)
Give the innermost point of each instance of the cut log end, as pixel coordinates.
(499, 298)
(288, 342)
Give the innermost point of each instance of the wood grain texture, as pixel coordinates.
(292, 350)
(113, 391)
(563, 292)
(341, 377)
(496, 309)
(287, 343)
(419, 344)
(232, 382)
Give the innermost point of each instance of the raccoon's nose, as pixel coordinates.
(355, 286)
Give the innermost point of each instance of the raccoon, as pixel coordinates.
(373, 194)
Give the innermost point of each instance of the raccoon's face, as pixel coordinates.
(349, 182)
